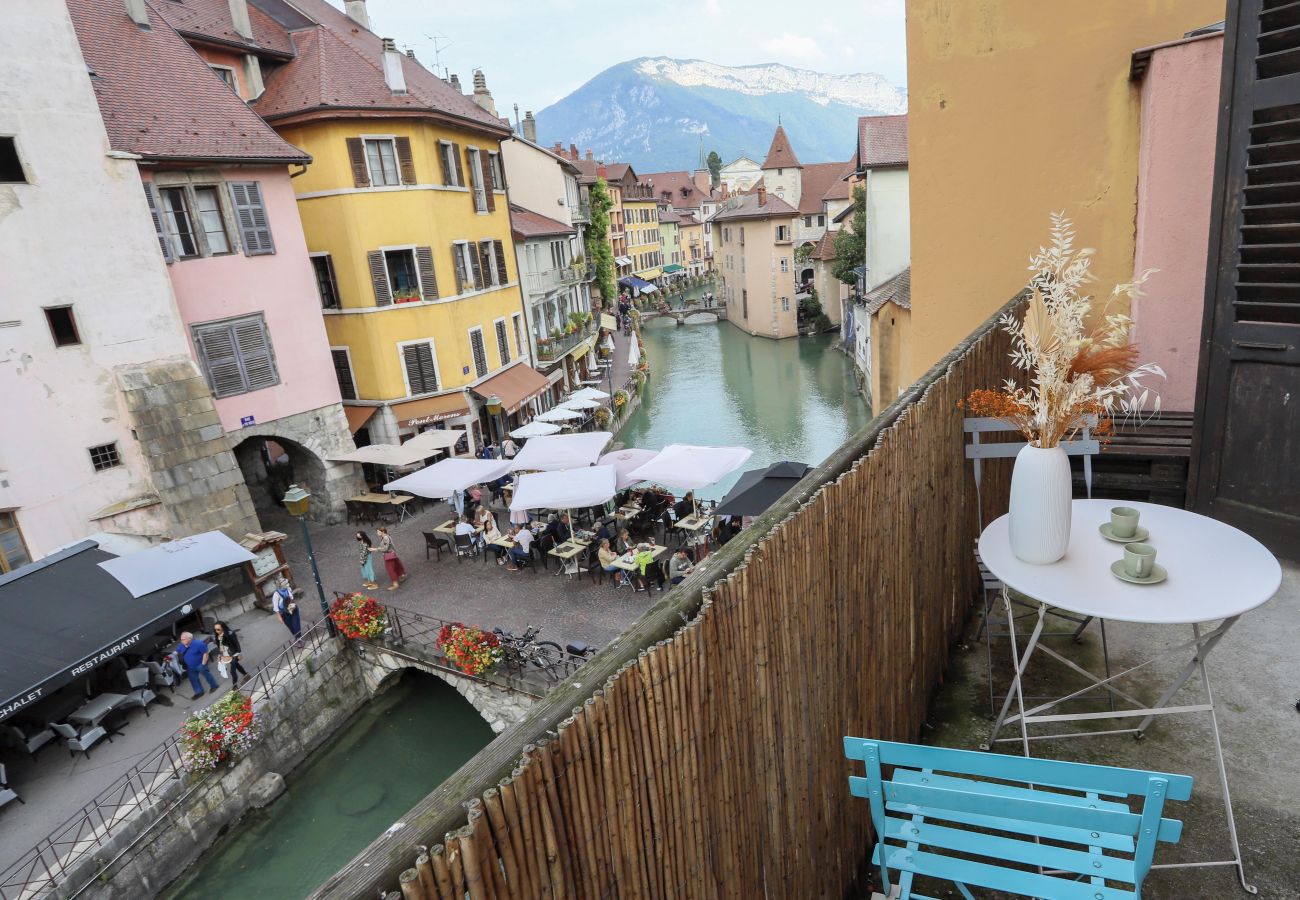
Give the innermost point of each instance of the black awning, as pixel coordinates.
(62, 616)
(758, 489)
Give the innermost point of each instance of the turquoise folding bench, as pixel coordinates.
(952, 815)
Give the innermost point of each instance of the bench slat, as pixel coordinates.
(1118, 842)
(1011, 808)
(911, 776)
(1027, 884)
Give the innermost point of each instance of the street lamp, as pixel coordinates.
(297, 501)
(494, 410)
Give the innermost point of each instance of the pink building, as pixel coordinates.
(1179, 83)
(217, 180)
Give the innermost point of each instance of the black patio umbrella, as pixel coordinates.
(758, 489)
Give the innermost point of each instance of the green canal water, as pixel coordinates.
(794, 399)
(393, 752)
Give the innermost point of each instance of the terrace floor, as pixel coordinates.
(1255, 675)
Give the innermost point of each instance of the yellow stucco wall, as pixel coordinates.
(1018, 108)
(647, 233)
(347, 223)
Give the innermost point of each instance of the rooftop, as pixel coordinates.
(682, 191)
(882, 142)
(896, 290)
(821, 182)
(746, 206)
(209, 20)
(524, 224)
(780, 154)
(825, 248)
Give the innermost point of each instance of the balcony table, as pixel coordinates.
(1216, 574)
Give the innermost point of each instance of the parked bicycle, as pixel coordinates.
(521, 652)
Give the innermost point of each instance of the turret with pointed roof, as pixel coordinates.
(781, 155)
(782, 171)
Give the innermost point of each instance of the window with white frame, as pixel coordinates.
(476, 178)
(785, 264)
(207, 206)
(381, 160)
(420, 365)
(194, 220)
(478, 351)
(518, 321)
(403, 273)
(226, 74)
(177, 222)
(498, 172)
(469, 267)
(450, 164)
(326, 284)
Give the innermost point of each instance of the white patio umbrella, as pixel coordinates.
(561, 451)
(688, 466)
(624, 461)
(609, 342)
(590, 486)
(589, 394)
(634, 352)
(559, 414)
(448, 477)
(579, 403)
(534, 429)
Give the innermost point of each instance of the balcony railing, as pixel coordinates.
(551, 349)
(580, 212)
(550, 279)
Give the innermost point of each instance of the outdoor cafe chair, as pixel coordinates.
(1058, 831)
(161, 675)
(465, 546)
(7, 794)
(139, 695)
(31, 740)
(432, 542)
(82, 739)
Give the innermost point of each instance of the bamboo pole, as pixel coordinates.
(442, 873)
(409, 881)
(506, 848)
(470, 861)
(424, 867)
(518, 835)
(455, 865)
(553, 827)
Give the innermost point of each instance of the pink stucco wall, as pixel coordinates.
(283, 288)
(1180, 94)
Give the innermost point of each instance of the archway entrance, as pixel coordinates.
(805, 276)
(270, 465)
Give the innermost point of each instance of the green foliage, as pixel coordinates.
(714, 163)
(802, 253)
(597, 241)
(851, 242)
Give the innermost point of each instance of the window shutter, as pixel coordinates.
(473, 192)
(458, 256)
(379, 278)
(424, 263)
(502, 272)
(503, 342)
(343, 372)
(484, 249)
(216, 345)
(460, 173)
(250, 213)
(255, 355)
(485, 166)
(421, 374)
(157, 222)
(442, 161)
(480, 355)
(404, 160)
(476, 267)
(357, 156)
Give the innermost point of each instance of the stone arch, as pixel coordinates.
(499, 707)
(304, 463)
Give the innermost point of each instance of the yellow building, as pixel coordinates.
(406, 218)
(1018, 109)
(638, 215)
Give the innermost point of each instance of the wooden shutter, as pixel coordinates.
(379, 278)
(343, 372)
(484, 249)
(424, 263)
(405, 162)
(421, 373)
(480, 355)
(485, 166)
(254, 345)
(250, 213)
(157, 222)
(460, 172)
(220, 359)
(458, 257)
(476, 267)
(503, 342)
(501, 262)
(357, 156)
(443, 147)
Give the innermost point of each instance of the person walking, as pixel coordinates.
(194, 656)
(229, 653)
(284, 606)
(367, 562)
(509, 448)
(392, 563)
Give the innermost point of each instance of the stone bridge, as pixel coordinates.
(695, 315)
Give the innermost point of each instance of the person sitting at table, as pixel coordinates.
(483, 516)
(607, 559)
(643, 557)
(560, 529)
(492, 534)
(607, 529)
(680, 567)
(624, 543)
(685, 506)
(522, 549)
(463, 527)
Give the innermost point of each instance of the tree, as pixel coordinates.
(714, 163)
(851, 242)
(597, 241)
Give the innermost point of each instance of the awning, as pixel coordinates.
(171, 563)
(671, 268)
(608, 321)
(358, 416)
(639, 283)
(64, 615)
(413, 413)
(515, 386)
(623, 260)
(583, 348)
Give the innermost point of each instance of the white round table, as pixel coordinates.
(1216, 573)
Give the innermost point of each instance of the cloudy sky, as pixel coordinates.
(534, 52)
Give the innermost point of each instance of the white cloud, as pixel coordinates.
(787, 47)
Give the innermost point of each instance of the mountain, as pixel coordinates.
(653, 112)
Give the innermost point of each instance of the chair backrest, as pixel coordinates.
(137, 677)
(463, 542)
(430, 539)
(1085, 445)
(933, 812)
(64, 729)
(4, 776)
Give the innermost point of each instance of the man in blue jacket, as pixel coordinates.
(194, 656)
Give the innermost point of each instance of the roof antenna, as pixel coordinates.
(518, 129)
(438, 68)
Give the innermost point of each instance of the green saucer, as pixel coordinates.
(1158, 573)
(1140, 535)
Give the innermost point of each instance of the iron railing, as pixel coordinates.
(550, 349)
(147, 788)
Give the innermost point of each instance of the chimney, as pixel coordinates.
(558, 149)
(356, 11)
(762, 196)
(482, 96)
(393, 67)
(454, 81)
(589, 154)
(530, 127)
(411, 54)
(602, 171)
(239, 18)
(139, 13)
(573, 151)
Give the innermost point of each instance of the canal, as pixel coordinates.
(710, 384)
(394, 751)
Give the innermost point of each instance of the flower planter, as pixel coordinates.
(1039, 513)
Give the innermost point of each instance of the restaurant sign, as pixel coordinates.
(106, 654)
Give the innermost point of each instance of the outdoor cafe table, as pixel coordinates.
(627, 562)
(397, 501)
(568, 551)
(1216, 574)
(94, 709)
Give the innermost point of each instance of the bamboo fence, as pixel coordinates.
(710, 765)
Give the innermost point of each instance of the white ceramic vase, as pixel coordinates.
(1040, 505)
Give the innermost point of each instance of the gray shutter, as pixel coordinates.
(255, 354)
(379, 278)
(220, 359)
(485, 165)
(459, 259)
(503, 343)
(250, 213)
(477, 268)
(420, 371)
(502, 272)
(357, 157)
(442, 161)
(480, 354)
(424, 263)
(405, 162)
(343, 372)
(460, 172)
(484, 250)
(157, 222)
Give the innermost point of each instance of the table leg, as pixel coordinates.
(1021, 663)
(1203, 648)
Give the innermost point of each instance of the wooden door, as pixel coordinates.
(1246, 460)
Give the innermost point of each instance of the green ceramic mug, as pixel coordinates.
(1123, 521)
(1139, 560)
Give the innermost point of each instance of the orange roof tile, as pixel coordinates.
(211, 19)
(525, 223)
(882, 141)
(781, 154)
